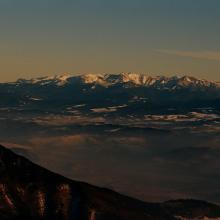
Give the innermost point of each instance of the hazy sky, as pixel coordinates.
(45, 37)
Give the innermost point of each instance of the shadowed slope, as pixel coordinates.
(31, 192)
(28, 191)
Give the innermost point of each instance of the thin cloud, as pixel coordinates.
(208, 55)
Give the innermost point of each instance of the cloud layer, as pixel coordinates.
(207, 55)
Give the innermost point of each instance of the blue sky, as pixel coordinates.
(168, 37)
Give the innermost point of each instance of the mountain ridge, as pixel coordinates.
(135, 79)
(136, 92)
(32, 192)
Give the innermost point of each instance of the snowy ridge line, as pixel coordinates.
(135, 79)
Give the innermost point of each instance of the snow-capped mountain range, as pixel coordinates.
(137, 93)
(131, 79)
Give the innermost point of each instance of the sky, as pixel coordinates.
(156, 37)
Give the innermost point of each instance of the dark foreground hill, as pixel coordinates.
(30, 192)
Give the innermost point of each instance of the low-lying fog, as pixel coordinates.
(150, 164)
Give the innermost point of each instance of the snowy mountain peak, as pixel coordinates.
(63, 78)
(59, 80)
(92, 78)
(135, 78)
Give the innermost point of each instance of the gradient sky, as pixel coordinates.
(46, 37)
